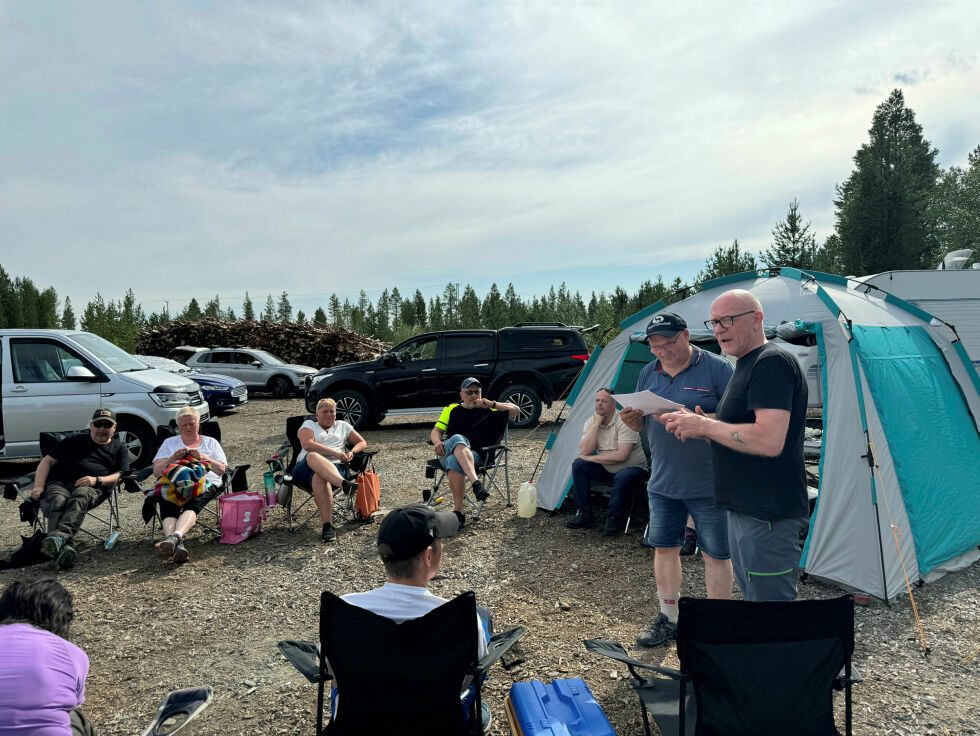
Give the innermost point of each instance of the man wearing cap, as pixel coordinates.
(681, 479)
(757, 444)
(410, 546)
(76, 476)
(473, 422)
(609, 452)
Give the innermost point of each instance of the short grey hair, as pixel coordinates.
(188, 411)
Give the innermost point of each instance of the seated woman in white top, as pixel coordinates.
(321, 465)
(178, 520)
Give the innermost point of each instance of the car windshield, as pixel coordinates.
(164, 364)
(114, 357)
(268, 357)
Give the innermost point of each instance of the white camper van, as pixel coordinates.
(54, 380)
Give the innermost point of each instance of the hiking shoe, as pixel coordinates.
(661, 631)
(580, 521)
(690, 543)
(481, 493)
(462, 518)
(180, 553)
(612, 527)
(51, 546)
(329, 534)
(66, 558)
(349, 487)
(167, 545)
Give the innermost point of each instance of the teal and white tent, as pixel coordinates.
(893, 379)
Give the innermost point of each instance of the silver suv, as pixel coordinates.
(259, 370)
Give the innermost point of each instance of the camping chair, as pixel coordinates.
(282, 464)
(233, 479)
(495, 460)
(398, 678)
(638, 494)
(104, 523)
(750, 668)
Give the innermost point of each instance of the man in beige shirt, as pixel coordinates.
(609, 452)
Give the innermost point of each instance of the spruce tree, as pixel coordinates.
(793, 243)
(248, 311)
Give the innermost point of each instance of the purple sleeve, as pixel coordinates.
(80, 661)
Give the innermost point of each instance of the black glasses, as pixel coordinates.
(472, 391)
(665, 344)
(726, 322)
(103, 424)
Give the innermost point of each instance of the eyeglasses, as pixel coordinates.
(472, 391)
(103, 424)
(726, 322)
(666, 343)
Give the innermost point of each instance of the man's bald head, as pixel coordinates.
(736, 318)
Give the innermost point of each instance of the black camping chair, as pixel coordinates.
(283, 463)
(177, 709)
(234, 479)
(764, 669)
(402, 678)
(495, 460)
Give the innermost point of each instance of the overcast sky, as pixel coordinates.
(192, 148)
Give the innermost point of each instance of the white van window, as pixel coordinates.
(40, 362)
(114, 357)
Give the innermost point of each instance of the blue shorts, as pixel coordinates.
(303, 473)
(669, 520)
(449, 462)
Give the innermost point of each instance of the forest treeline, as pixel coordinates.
(898, 209)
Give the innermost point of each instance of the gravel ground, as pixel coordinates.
(149, 626)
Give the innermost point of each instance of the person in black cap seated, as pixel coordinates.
(470, 423)
(77, 476)
(410, 546)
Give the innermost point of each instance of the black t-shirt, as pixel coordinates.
(482, 427)
(765, 487)
(79, 456)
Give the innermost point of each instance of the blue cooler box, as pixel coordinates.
(563, 708)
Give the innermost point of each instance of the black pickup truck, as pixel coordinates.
(529, 364)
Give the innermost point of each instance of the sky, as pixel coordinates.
(187, 149)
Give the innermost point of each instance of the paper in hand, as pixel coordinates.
(647, 401)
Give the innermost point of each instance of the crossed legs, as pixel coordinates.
(326, 477)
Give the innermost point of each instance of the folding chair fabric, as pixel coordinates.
(495, 459)
(398, 678)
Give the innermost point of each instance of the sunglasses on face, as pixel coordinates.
(103, 424)
(472, 391)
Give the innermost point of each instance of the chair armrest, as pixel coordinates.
(498, 646)
(614, 650)
(234, 479)
(505, 448)
(14, 487)
(305, 657)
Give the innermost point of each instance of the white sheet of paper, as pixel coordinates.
(647, 401)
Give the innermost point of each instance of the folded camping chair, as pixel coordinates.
(402, 679)
(101, 521)
(759, 669)
(283, 463)
(495, 460)
(234, 479)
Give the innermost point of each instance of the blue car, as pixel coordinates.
(221, 392)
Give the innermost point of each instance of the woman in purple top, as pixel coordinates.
(42, 675)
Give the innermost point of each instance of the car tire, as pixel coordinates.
(280, 387)
(138, 440)
(528, 401)
(354, 408)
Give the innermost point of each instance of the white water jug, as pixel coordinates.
(527, 500)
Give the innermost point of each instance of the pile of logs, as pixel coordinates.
(303, 344)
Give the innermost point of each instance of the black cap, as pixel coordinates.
(408, 530)
(104, 414)
(467, 382)
(667, 324)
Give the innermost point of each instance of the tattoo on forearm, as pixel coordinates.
(737, 438)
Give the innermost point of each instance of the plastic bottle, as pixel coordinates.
(270, 488)
(527, 500)
(111, 541)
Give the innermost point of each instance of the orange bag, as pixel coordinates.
(368, 495)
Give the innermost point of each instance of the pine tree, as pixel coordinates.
(269, 313)
(793, 243)
(213, 308)
(193, 311)
(320, 317)
(47, 309)
(725, 261)
(67, 316)
(469, 309)
(336, 316)
(248, 311)
(300, 317)
(493, 311)
(882, 217)
(284, 310)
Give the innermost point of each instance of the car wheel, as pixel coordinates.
(528, 401)
(280, 387)
(138, 440)
(353, 408)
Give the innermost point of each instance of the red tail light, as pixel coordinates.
(583, 358)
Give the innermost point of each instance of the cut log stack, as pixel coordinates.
(303, 344)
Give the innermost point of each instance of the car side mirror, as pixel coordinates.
(389, 359)
(257, 363)
(80, 373)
